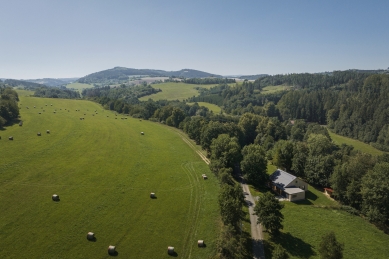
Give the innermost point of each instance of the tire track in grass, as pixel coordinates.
(193, 216)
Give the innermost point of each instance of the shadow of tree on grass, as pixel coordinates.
(294, 245)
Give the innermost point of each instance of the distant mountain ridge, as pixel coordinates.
(118, 74)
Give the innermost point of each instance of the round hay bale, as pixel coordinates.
(11, 138)
(21, 123)
(170, 250)
(90, 236)
(152, 195)
(51, 105)
(55, 197)
(38, 133)
(111, 250)
(34, 107)
(142, 133)
(200, 243)
(40, 113)
(54, 112)
(48, 131)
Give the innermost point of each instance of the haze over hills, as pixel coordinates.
(53, 81)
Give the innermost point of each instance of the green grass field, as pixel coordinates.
(174, 91)
(212, 107)
(358, 145)
(104, 170)
(274, 88)
(78, 86)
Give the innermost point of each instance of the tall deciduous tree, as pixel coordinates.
(254, 164)
(226, 150)
(330, 248)
(231, 200)
(268, 210)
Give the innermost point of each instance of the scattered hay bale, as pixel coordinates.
(116, 118)
(90, 236)
(51, 105)
(200, 243)
(84, 113)
(142, 133)
(55, 197)
(152, 195)
(39, 134)
(39, 112)
(11, 138)
(54, 112)
(93, 115)
(126, 118)
(34, 107)
(46, 104)
(48, 131)
(21, 123)
(204, 176)
(107, 116)
(111, 250)
(140, 120)
(170, 250)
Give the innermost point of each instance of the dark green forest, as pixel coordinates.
(55, 92)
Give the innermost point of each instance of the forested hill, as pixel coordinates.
(14, 83)
(52, 81)
(121, 74)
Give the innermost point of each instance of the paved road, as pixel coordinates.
(256, 230)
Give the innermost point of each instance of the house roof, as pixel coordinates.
(282, 178)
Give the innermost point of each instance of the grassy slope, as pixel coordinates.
(305, 222)
(358, 145)
(174, 91)
(103, 170)
(212, 107)
(79, 86)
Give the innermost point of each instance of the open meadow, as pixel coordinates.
(358, 145)
(103, 170)
(174, 91)
(78, 86)
(212, 107)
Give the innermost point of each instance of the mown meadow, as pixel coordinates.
(174, 91)
(103, 170)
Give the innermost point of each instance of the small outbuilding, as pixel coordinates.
(111, 250)
(55, 197)
(152, 195)
(90, 236)
(200, 243)
(170, 250)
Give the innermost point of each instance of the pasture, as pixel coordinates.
(174, 91)
(274, 88)
(103, 170)
(358, 145)
(78, 86)
(212, 107)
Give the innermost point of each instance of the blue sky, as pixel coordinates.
(51, 38)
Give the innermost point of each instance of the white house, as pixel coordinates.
(288, 185)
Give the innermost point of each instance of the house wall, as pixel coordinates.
(299, 184)
(296, 196)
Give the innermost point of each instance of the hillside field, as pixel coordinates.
(103, 170)
(358, 145)
(174, 91)
(78, 86)
(212, 107)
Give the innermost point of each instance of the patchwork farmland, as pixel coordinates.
(103, 170)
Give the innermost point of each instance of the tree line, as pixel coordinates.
(208, 81)
(9, 109)
(56, 92)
